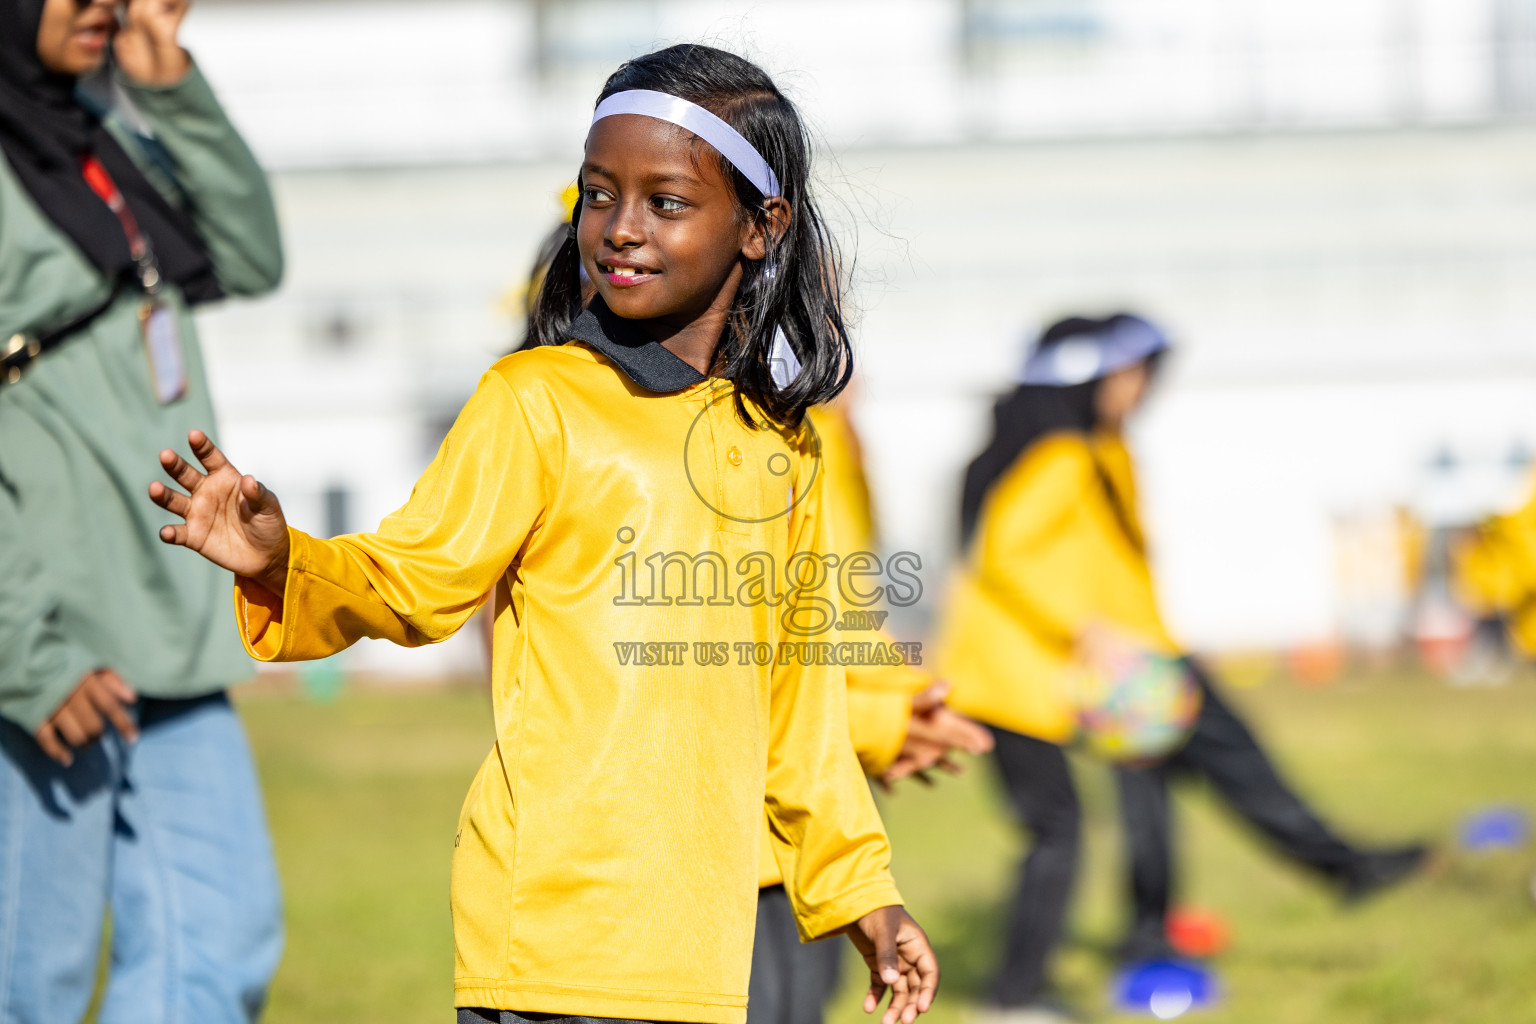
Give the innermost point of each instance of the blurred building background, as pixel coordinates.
(1332, 205)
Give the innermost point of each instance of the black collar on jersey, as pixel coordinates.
(643, 359)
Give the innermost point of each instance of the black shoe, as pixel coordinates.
(1376, 870)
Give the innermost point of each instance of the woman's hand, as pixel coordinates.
(899, 959)
(101, 698)
(229, 519)
(146, 46)
(933, 734)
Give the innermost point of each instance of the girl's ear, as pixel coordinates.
(768, 228)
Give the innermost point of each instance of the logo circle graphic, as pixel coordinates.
(626, 535)
(699, 457)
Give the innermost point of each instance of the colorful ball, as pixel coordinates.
(1137, 706)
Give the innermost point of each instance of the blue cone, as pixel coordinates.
(1165, 989)
(1495, 828)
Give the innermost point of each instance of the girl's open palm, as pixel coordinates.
(229, 519)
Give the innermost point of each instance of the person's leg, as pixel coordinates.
(1147, 819)
(55, 862)
(791, 980)
(197, 916)
(1224, 750)
(815, 967)
(769, 990)
(1039, 784)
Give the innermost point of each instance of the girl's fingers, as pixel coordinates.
(927, 969)
(48, 738)
(174, 534)
(120, 689)
(206, 451)
(107, 704)
(896, 1009)
(180, 470)
(875, 994)
(256, 494)
(170, 500)
(69, 728)
(89, 716)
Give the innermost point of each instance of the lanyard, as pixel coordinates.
(96, 176)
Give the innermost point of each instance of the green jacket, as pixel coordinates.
(84, 580)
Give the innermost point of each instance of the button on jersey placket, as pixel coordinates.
(738, 484)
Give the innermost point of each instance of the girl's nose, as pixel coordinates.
(626, 228)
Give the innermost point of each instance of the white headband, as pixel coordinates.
(666, 107)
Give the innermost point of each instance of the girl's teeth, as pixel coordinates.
(624, 271)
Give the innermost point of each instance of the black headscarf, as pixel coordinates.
(44, 131)
(1020, 418)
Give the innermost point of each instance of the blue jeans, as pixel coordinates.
(170, 831)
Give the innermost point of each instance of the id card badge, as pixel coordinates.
(162, 345)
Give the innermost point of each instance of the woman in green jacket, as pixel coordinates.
(125, 779)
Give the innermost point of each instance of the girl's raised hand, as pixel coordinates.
(229, 519)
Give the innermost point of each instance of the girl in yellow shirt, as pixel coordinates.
(1056, 573)
(1494, 571)
(897, 720)
(640, 493)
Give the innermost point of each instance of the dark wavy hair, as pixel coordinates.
(796, 287)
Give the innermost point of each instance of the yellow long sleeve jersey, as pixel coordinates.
(639, 543)
(879, 696)
(1057, 547)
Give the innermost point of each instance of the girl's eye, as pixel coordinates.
(593, 194)
(666, 204)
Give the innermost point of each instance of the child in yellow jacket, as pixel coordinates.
(1494, 570)
(1056, 571)
(641, 498)
(898, 723)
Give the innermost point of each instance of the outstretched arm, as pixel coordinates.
(414, 580)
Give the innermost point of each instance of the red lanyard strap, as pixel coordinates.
(96, 176)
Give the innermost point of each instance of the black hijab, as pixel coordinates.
(44, 131)
(1020, 418)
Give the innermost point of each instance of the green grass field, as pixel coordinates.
(363, 794)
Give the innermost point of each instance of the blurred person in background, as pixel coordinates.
(1056, 572)
(899, 725)
(1493, 570)
(125, 780)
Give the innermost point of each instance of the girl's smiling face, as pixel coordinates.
(661, 233)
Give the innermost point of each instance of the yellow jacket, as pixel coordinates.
(879, 696)
(606, 854)
(1051, 555)
(1495, 572)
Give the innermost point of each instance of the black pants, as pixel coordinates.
(1039, 784)
(1224, 751)
(791, 980)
